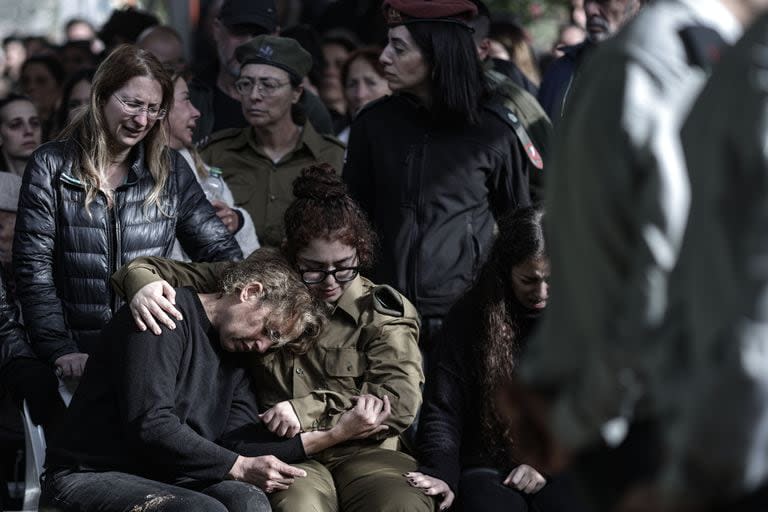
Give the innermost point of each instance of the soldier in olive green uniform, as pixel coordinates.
(370, 347)
(260, 162)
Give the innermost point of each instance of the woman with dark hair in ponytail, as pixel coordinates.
(434, 164)
(367, 358)
(469, 429)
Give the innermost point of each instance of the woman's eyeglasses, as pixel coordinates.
(341, 275)
(265, 86)
(134, 109)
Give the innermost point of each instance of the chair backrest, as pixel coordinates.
(34, 438)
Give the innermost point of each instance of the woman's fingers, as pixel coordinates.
(149, 320)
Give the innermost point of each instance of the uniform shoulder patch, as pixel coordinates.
(506, 112)
(388, 301)
(226, 133)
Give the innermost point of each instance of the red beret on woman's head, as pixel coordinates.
(401, 12)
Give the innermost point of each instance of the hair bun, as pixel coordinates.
(319, 182)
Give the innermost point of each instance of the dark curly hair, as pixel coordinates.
(520, 239)
(323, 208)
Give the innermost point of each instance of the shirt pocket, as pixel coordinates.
(343, 362)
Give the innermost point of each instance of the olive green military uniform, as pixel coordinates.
(369, 346)
(262, 187)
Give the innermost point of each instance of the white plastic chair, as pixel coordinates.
(34, 439)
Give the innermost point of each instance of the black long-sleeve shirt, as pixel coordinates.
(171, 407)
(450, 436)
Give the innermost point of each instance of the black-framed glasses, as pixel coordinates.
(134, 109)
(340, 274)
(265, 86)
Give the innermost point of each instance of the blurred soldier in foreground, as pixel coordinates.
(718, 381)
(619, 200)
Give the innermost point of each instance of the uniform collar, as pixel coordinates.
(349, 301)
(309, 138)
(313, 141)
(714, 14)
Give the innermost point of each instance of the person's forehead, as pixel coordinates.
(401, 33)
(257, 71)
(17, 109)
(361, 66)
(141, 86)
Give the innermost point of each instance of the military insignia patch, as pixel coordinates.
(393, 16)
(534, 156)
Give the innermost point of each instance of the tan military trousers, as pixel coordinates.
(370, 480)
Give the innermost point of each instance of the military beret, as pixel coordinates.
(281, 52)
(402, 12)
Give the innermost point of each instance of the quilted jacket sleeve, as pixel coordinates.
(13, 342)
(33, 258)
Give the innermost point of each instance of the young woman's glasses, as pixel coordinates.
(265, 86)
(134, 109)
(341, 275)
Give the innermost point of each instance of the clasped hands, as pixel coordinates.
(364, 419)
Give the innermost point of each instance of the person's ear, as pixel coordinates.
(251, 292)
(483, 48)
(297, 92)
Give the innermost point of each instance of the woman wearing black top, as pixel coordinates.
(466, 438)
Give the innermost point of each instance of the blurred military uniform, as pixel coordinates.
(717, 375)
(370, 346)
(618, 202)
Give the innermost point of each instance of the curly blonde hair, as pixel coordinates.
(296, 317)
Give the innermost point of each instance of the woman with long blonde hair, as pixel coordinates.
(107, 191)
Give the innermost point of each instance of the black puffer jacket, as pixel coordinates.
(64, 255)
(13, 341)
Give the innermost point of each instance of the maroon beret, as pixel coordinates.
(401, 12)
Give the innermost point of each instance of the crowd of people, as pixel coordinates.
(308, 269)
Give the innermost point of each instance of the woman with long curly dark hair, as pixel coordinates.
(466, 442)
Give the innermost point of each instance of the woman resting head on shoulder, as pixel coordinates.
(366, 360)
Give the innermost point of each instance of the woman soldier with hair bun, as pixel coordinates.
(367, 357)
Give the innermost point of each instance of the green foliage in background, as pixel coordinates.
(528, 10)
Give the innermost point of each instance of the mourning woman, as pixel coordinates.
(369, 348)
(107, 191)
(470, 435)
